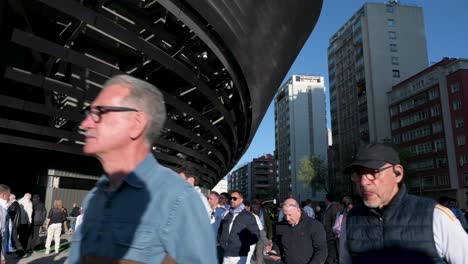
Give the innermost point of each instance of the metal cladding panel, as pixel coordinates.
(265, 37)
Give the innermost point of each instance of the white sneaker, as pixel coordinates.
(47, 252)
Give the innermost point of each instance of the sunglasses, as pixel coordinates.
(234, 198)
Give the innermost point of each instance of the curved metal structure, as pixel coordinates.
(218, 64)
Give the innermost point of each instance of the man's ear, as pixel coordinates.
(399, 171)
(191, 180)
(140, 123)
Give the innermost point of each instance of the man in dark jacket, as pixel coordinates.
(301, 239)
(14, 211)
(39, 216)
(238, 231)
(75, 212)
(393, 226)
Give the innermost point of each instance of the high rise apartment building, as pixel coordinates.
(428, 112)
(256, 179)
(300, 131)
(381, 45)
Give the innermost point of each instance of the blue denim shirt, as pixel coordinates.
(217, 216)
(152, 214)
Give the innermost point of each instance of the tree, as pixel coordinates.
(314, 172)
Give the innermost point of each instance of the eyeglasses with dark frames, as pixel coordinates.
(371, 174)
(96, 112)
(233, 198)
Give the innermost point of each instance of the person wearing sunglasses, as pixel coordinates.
(238, 231)
(139, 211)
(393, 226)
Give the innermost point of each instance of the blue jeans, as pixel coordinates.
(72, 223)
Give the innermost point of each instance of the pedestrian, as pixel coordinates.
(75, 212)
(14, 211)
(39, 217)
(238, 231)
(393, 226)
(328, 218)
(4, 220)
(25, 229)
(301, 239)
(139, 210)
(190, 174)
(55, 219)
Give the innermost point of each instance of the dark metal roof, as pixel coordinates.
(218, 64)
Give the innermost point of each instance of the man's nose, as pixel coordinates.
(87, 122)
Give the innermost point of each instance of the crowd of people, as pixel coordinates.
(23, 220)
(140, 211)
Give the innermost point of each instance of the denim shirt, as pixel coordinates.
(216, 217)
(154, 213)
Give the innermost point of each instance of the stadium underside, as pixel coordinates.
(218, 64)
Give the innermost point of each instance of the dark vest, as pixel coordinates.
(400, 233)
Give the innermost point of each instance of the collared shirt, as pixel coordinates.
(217, 216)
(153, 214)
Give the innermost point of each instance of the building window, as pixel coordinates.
(395, 60)
(461, 140)
(435, 110)
(441, 162)
(389, 9)
(463, 159)
(443, 180)
(439, 144)
(437, 127)
(459, 122)
(433, 94)
(391, 22)
(466, 181)
(454, 87)
(456, 104)
(396, 73)
(393, 47)
(392, 35)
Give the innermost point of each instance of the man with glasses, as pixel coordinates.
(238, 231)
(139, 211)
(393, 226)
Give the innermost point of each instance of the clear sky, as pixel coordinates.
(446, 24)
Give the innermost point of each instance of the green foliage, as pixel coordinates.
(314, 172)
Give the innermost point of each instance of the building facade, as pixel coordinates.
(256, 179)
(428, 112)
(378, 47)
(300, 132)
(221, 187)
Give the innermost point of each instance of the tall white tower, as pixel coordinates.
(300, 131)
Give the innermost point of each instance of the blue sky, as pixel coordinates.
(446, 24)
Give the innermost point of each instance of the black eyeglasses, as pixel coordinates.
(97, 111)
(233, 198)
(371, 174)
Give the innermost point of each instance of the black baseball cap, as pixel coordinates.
(374, 156)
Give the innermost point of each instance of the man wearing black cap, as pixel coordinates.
(393, 226)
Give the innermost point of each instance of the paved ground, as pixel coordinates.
(39, 257)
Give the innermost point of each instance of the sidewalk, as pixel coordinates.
(39, 257)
